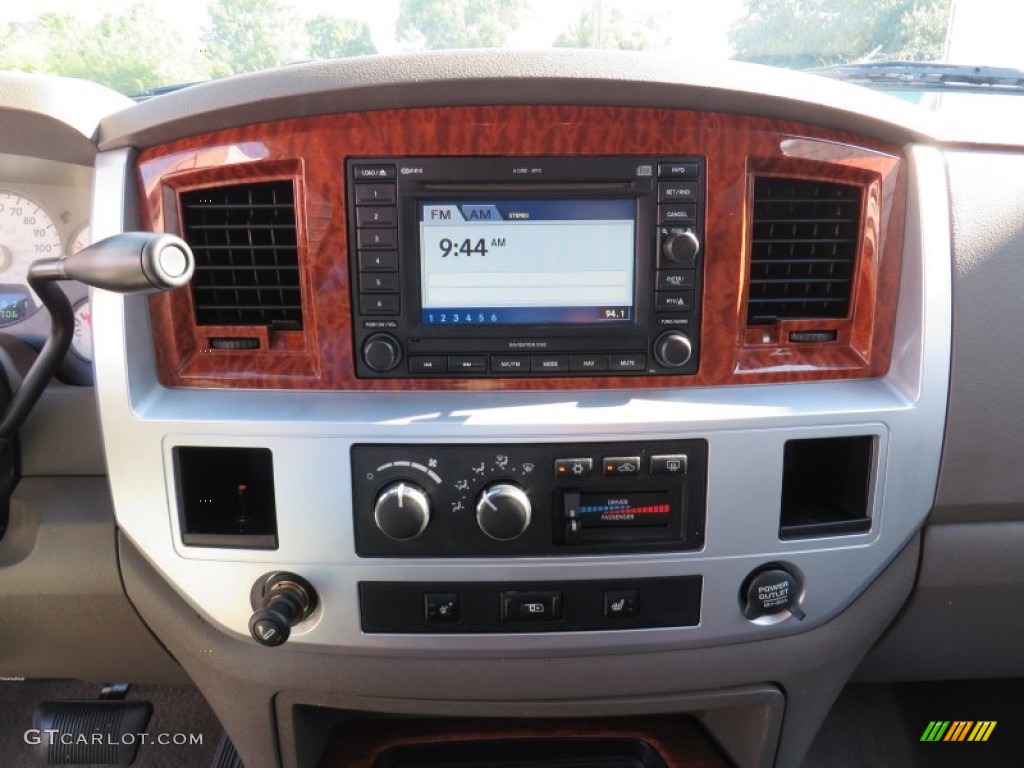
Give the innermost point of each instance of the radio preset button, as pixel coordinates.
(674, 301)
(669, 192)
(374, 304)
(378, 261)
(670, 464)
(676, 279)
(467, 363)
(550, 363)
(510, 364)
(585, 363)
(678, 170)
(377, 238)
(379, 282)
(428, 364)
(374, 193)
(376, 216)
(581, 467)
(627, 362)
(621, 465)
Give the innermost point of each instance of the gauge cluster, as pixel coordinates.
(44, 213)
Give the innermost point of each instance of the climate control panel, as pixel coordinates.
(528, 499)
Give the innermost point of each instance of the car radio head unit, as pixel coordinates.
(513, 266)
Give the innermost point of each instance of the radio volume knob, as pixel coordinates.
(382, 352)
(503, 511)
(673, 349)
(681, 250)
(402, 510)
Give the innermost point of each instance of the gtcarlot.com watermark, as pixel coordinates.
(52, 736)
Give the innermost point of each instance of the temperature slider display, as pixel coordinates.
(613, 516)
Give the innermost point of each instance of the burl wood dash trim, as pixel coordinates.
(311, 152)
(677, 740)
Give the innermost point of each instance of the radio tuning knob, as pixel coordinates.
(381, 352)
(503, 511)
(681, 249)
(402, 510)
(673, 349)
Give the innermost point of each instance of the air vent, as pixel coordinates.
(247, 270)
(805, 242)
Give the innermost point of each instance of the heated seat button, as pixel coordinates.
(531, 606)
(621, 604)
(441, 607)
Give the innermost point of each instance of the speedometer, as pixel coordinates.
(27, 233)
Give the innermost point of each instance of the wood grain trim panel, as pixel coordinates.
(678, 740)
(312, 153)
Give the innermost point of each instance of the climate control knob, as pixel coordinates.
(402, 510)
(382, 352)
(680, 250)
(673, 349)
(503, 511)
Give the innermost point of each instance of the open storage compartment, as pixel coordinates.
(826, 486)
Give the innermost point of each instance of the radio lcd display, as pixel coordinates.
(485, 262)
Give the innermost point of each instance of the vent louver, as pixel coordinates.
(244, 240)
(805, 242)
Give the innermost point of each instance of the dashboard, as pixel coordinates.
(539, 385)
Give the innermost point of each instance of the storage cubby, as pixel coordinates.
(226, 497)
(826, 486)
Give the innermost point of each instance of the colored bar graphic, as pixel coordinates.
(982, 730)
(935, 731)
(958, 730)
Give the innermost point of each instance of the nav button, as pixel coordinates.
(587, 363)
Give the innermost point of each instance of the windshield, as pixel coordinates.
(138, 47)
